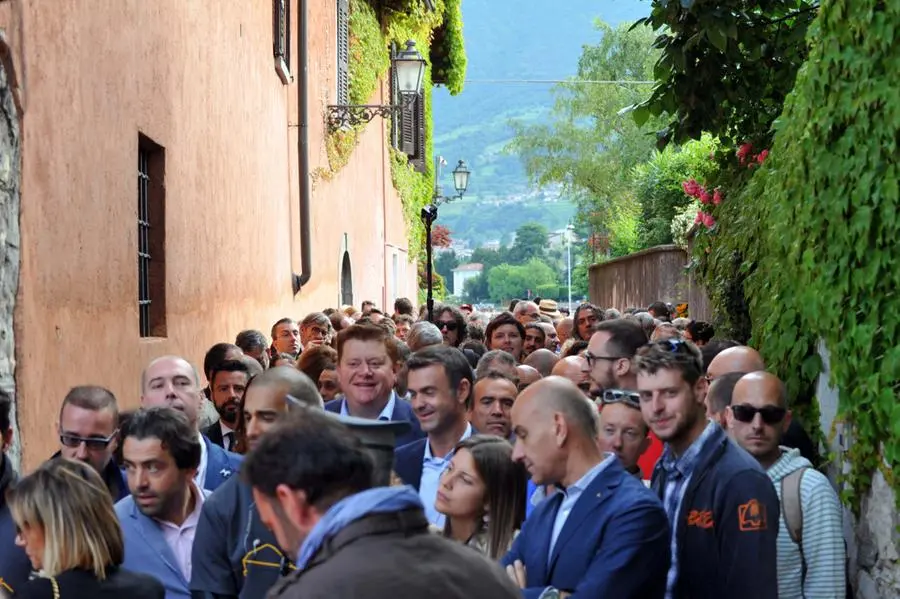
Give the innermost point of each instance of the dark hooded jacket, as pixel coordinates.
(15, 568)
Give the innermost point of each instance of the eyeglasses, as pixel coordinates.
(769, 414)
(91, 443)
(629, 398)
(591, 358)
(674, 344)
(450, 326)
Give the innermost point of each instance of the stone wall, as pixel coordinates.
(872, 539)
(10, 177)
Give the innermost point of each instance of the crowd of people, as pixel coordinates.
(354, 453)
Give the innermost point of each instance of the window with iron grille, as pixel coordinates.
(151, 231)
(343, 52)
(281, 35)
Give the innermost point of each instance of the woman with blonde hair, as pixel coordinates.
(482, 494)
(66, 523)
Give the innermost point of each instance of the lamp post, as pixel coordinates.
(410, 69)
(430, 213)
(569, 229)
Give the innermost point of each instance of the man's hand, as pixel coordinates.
(516, 572)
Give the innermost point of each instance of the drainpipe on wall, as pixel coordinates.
(305, 195)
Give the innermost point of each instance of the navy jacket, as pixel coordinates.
(615, 542)
(408, 462)
(15, 567)
(220, 465)
(727, 526)
(402, 411)
(234, 554)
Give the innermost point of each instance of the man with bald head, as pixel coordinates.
(564, 329)
(606, 535)
(745, 359)
(527, 376)
(543, 360)
(171, 381)
(810, 535)
(574, 368)
(234, 554)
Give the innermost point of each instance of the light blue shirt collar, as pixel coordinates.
(430, 456)
(386, 414)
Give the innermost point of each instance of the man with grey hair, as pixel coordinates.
(171, 381)
(498, 360)
(526, 312)
(234, 554)
(315, 329)
(423, 334)
(608, 534)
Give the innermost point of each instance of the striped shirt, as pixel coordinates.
(822, 537)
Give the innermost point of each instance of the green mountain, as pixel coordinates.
(508, 41)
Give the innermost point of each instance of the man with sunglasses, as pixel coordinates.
(88, 430)
(622, 428)
(810, 540)
(721, 505)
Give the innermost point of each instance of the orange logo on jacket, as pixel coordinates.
(700, 519)
(752, 516)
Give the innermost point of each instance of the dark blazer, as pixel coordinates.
(408, 462)
(220, 465)
(402, 411)
(615, 542)
(727, 527)
(361, 561)
(15, 567)
(213, 432)
(79, 584)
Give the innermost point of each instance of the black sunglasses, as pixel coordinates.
(629, 398)
(769, 414)
(451, 326)
(92, 443)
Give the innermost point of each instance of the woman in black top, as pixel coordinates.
(67, 525)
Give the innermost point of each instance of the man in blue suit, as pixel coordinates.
(367, 366)
(171, 381)
(159, 519)
(603, 534)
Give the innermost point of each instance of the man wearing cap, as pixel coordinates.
(348, 534)
(234, 555)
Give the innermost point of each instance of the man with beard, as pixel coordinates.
(159, 520)
(227, 382)
(722, 507)
(235, 556)
(351, 537)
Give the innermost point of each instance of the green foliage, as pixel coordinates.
(725, 67)
(444, 264)
(657, 186)
(531, 242)
(448, 51)
(832, 225)
(476, 289)
(623, 225)
(506, 281)
(588, 146)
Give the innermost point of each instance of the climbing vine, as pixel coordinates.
(448, 52)
(816, 225)
(372, 32)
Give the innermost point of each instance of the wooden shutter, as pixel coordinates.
(343, 52)
(408, 127)
(418, 155)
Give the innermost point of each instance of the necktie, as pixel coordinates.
(229, 441)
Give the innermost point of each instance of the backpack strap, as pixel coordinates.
(790, 505)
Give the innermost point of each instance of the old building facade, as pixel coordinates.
(161, 180)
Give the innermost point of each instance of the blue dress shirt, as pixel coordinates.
(432, 468)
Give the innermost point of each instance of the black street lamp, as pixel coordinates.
(410, 68)
(430, 214)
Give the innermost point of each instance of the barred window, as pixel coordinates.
(151, 238)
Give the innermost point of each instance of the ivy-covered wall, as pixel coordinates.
(372, 31)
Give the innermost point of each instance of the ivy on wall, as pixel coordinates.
(817, 225)
(448, 52)
(372, 32)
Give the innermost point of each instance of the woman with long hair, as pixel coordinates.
(482, 493)
(66, 523)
